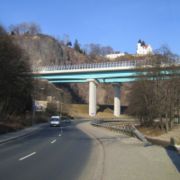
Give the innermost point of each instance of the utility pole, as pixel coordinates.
(33, 110)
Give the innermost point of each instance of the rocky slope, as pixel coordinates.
(45, 50)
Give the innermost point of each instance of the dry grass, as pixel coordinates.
(81, 111)
(149, 131)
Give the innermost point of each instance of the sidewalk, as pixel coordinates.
(24, 132)
(119, 156)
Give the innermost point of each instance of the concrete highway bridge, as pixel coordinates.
(106, 72)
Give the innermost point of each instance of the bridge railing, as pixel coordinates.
(130, 63)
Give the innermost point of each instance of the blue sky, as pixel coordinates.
(117, 23)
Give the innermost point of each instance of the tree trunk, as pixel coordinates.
(171, 124)
(167, 125)
(161, 123)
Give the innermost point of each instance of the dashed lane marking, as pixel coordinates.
(29, 155)
(53, 141)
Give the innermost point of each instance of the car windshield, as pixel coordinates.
(54, 119)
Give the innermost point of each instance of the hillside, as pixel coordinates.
(45, 50)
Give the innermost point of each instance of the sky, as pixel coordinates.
(116, 23)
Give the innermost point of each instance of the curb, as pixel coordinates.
(163, 143)
(160, 142)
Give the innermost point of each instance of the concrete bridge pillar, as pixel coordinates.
(117, 102)
(92, 97)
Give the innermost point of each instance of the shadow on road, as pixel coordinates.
(174, 156)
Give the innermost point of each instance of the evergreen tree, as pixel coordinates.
(77, 46)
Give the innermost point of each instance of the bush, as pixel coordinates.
(52, 108)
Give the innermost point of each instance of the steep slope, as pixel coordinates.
(45, 50)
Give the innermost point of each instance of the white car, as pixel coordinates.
(55, 121)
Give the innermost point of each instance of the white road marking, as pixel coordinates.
(61, 131)
(27, 156)
(53, 141)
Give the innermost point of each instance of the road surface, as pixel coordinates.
(83, 152)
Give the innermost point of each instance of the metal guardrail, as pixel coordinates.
(126, 127)
(86, 66)
(129, 63)
(123, 126)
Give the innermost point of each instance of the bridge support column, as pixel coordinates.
(117, 102)
(92, 97)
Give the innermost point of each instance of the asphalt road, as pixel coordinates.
(83, 152)
(45, 155)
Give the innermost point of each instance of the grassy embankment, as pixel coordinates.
(81, 111)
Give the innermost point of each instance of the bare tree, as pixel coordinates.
(15, 81)
(34, 28)
(156, 94)
(25, 28)
(97, 49)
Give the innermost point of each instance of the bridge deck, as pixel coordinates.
(109, 72)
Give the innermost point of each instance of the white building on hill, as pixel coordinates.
(114, 55)
(143, 48)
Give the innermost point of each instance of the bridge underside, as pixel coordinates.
(110, 80)
(94, 78)
(101, 77)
